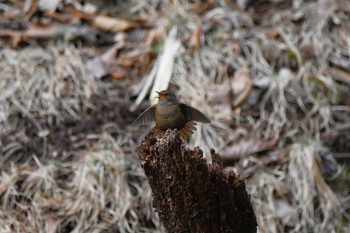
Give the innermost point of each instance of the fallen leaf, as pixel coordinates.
(146, 17)
(135, 58)
(200, 7)
(111, 24)
(70, 14)
(246, 147)
(62, 18)
(240, 80)
(339, 75)
(100, 65)
(36, 30)
(241, 86)
(78, 14)
(126, 61)
(43, 31)
(194, 40)
(117, 75)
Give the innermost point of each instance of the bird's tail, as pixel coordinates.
(187, 130)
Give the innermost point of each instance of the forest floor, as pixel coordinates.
(274, 77)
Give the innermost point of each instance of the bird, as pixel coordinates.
(169, 113)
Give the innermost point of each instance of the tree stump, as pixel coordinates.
(189, 194)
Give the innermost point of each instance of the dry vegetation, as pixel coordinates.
(273, 75)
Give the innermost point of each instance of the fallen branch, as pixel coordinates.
(189, 194)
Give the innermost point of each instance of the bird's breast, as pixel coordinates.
(169, 117)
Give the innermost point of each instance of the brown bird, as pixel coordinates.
(169, 113)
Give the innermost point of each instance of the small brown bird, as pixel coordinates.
(169, 113)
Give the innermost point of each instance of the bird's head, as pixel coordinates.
(166, 96)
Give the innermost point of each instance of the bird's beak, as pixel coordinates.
(160, 95)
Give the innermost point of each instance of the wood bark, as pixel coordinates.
(189, 194)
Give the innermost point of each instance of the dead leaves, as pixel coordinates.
(37, 31)
(117, 61)
(241, 86)
(195, 37)
(82, 23)
(111, 24)
(99, 66)
(56, 22)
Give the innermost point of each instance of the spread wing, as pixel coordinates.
(145, 117)
(192, 114)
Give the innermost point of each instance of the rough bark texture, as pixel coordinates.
(191, 196)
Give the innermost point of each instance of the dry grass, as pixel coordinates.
(104, 190)
(39, 86)
(50, 82)
(290, 55)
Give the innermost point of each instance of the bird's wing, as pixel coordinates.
(192, 114)
(145, 117)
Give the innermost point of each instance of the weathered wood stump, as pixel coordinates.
(189, 194)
